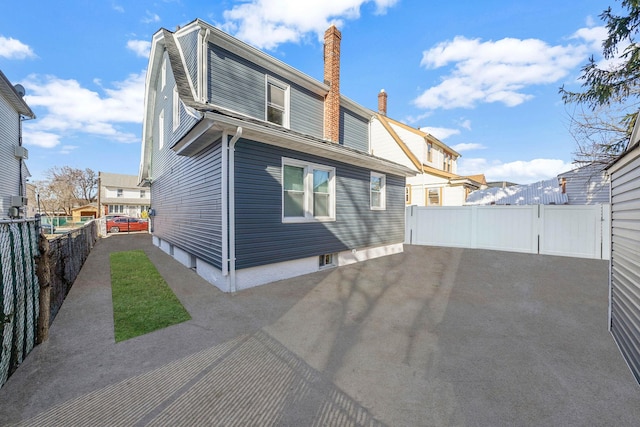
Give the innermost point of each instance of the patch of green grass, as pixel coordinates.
(142, 300)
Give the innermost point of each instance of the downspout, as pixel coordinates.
(232, 211)
(225, 212)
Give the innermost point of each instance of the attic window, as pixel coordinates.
(277, 108)
(163, 74)
(176, 108)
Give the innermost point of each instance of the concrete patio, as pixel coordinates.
(431, 337)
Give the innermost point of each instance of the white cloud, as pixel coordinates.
(150, 17)
(268, 23)
(494, 71)
(117, 8)
(73, 109)
(466, 124)
(39, 138)
(468, 146)
(11, 48)
(440, 133)
(140, 47)
(520, 171)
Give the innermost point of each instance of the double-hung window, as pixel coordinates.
(308, 191)
(378, 190)
(277, 108)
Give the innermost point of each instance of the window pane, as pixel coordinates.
(376, 183)
(293, 178)
(275, 116)
(293, 203)
(375, 199)
(275, 96)
(320, 181)
(320, 204)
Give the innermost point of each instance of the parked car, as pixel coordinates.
(124, 223)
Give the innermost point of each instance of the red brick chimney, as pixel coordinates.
(332, 39)
(382, 102)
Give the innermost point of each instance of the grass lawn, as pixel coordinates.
(142, 300)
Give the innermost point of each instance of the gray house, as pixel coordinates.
(586, 185)
(257, 171)
(13, 109)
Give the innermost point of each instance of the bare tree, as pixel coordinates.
(66, 188)
(601, 133)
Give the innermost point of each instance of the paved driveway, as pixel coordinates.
(433, 337)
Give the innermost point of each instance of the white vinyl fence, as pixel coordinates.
(566, 230)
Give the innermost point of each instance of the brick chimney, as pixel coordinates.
(332, 39)
(382, 102)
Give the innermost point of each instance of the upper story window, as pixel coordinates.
(308, 191)
(277, 108)
(161, 130)
(119, 192)
(429, 152)
(143, 193)
(378, 190)
(176, 108)
(407, 194)
(163, 74)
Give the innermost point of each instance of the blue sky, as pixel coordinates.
(481, 76)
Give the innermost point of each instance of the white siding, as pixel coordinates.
(9, 165)
(384, 146)
(624, 287)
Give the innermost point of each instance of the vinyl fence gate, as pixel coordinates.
(565, 230)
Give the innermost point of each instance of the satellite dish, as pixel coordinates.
(20, 89)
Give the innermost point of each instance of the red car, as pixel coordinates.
(123, 223)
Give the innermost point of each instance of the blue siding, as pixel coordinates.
(354, 130)
(307, 112)
(189, 45)
(187, 199)
(185, 191)
(262, 238)
(238, 85)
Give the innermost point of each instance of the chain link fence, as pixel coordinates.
(19, 296)
(36, 275)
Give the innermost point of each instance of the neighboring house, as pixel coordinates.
(586, 185)
(13, 185)
(624, 268)
(257, 171)
(121, 194)
(436, 182)
(547, 192)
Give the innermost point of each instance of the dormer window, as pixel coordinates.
(277, 108)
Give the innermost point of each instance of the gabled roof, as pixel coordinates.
(117, 180)
(8, 91)
(214, 120)
(386, 122)
(454, 179)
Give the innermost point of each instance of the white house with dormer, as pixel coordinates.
(437, 182)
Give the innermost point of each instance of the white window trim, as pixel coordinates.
(308, 191)
(287, 103)
(383, 192)
(176, 108)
